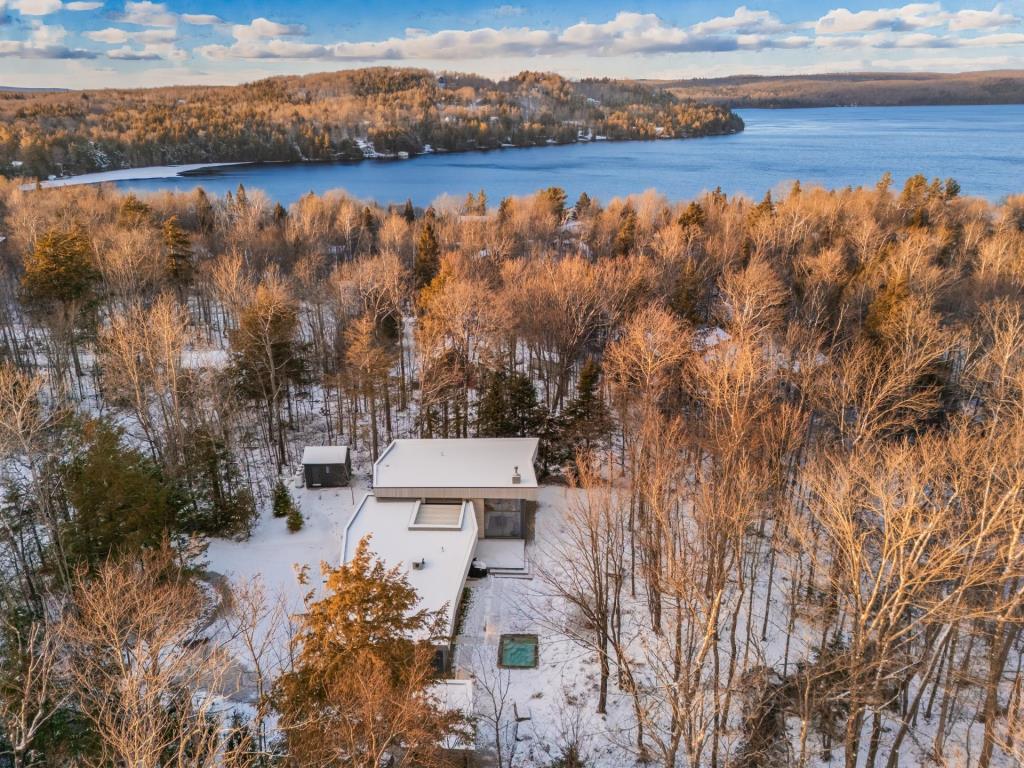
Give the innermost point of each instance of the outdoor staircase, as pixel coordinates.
(511, 573)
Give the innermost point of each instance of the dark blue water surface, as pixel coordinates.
(980, 146)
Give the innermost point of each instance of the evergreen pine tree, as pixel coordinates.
(204, 211)
(586, 423)
(179, 253)
(625, 238)
(59, 282)
(583, 203)
(133, 213)
(281, 500)
(295, 519)
(221, 502)
(361, 671)
(491, 407)
(524, 411)
(428, 254)
(408, 212)
(555, 197)
(120, 501)
(508, 407)
(368, 225)
(693, 216)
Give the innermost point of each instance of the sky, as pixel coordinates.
(119, 43)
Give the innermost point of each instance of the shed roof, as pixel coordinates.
(482, 462)
(397, 541)
(325, 454)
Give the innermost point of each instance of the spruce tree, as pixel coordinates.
(693, 216)
(586, 423)
(524, 411)
(178, 248)
(555, 197)
(59, 284)
(120, 500)
(508, 407)
(583, 203)
(282, 500)
(133, 213)
(295, 519)
(428, 254)
(408, 212)
(625, 238)
(491, 407)
(204, 211)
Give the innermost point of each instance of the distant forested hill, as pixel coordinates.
(859, 89)
(333, 116)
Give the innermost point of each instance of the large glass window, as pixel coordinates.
(503, 523)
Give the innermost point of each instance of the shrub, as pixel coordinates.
(282, 500)
(295, 519)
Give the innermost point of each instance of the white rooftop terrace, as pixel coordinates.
(483, 467)
(400, 537)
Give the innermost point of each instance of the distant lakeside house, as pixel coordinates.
(438, 504)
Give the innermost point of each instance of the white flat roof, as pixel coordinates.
(446, 552)
(480, 462)
(325, 454)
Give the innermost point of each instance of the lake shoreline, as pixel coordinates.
(826, 147)
(194, 170)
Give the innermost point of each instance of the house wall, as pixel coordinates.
(412, 492)
(478, 513)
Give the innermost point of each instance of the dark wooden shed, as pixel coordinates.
(326, 466)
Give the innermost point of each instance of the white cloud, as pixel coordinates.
(154, 52)
(968, 19)
(114, 36)
(47, 35)
(110, 35)
(36, 7)
(917, 25)
(153, 34)
(261, 28)
(742, 20)
(148, 14)
(46, 7)
(625, 34)
(128, 54)
(913, 16)
(201, 19)
(43, 42)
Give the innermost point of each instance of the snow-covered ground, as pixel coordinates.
(556, 701)
(276, 556)
(548, 707)
(129, 174)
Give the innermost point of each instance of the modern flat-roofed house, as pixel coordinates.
(434, 502)
(326, 466)
(495, 473)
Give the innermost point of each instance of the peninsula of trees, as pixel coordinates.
(859, 89)
(337, 116)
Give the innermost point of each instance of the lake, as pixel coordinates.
(980, 146)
